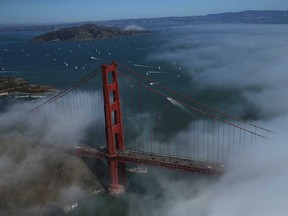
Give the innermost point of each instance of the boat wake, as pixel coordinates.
(147, 66)
(94, 58)
(156, 72)
(180, 106)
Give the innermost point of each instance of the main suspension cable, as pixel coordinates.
(193, 100)
(193, 108)
(69, 89)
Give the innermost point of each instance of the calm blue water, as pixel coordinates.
(52, 63)
(60, 64)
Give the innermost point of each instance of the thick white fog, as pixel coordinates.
(29, 161)
(253, 59)
(63, 123)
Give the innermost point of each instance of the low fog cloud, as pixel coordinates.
(64, 122)
(134, 28)
(254, 183)
(252, 59)
(32, 171)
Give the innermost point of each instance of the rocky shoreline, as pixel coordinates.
(21, 87)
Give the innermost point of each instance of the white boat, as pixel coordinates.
(4, 94)
(139, 170)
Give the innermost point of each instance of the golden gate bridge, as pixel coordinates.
(202, 147)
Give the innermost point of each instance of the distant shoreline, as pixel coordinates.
(247, 16)
(88, 32)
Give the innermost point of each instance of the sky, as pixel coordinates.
(57, 11)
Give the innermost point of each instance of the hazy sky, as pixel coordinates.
(51, 11)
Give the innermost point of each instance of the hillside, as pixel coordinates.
(248, 17)
(10, 85)
(32, 175)
(86, 32)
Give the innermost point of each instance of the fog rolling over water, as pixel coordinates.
(245, 64)
(253, 60)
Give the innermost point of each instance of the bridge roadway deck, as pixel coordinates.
(152, 159)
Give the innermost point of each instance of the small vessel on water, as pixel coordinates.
(4, 94)
(138, 170)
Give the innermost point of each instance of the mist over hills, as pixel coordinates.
(249, 17)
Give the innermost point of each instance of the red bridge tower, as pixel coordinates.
(114, 128)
